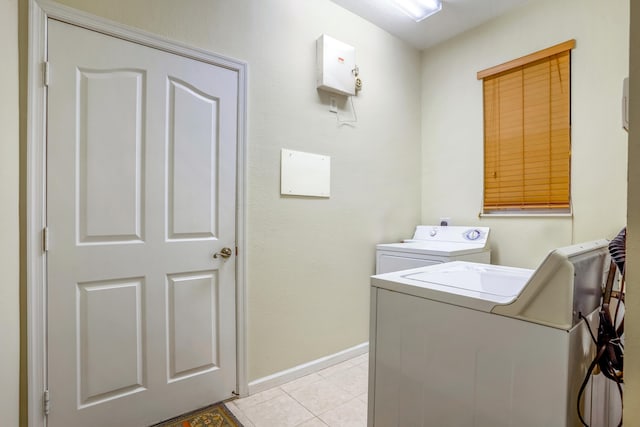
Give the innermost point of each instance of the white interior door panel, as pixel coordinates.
(141, 192)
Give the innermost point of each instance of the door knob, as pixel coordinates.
(224, 253)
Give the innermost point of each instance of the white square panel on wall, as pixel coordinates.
(305, 174)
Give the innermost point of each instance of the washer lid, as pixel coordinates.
(467, 284)
(433, 248)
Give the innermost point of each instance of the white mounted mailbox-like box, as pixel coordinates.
(305, 174)
(335, 64)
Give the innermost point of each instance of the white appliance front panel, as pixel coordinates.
(434, 364)
(395, 263)
(393, 260)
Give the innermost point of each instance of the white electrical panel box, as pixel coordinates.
(305, 174)
(335, 63)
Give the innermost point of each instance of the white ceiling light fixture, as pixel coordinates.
(418, 9)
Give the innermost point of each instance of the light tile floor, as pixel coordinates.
(333, 397)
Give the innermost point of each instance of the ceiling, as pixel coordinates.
(455, 17)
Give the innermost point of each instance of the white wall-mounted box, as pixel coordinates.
(335, 62)
(305, 174)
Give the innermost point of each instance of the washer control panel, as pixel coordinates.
(453, 234)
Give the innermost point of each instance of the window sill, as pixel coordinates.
(526, 215)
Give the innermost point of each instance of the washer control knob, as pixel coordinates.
(433, 232)
(473, 234)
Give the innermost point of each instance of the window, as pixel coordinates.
(527, 133)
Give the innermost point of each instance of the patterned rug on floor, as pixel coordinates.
(216, 415)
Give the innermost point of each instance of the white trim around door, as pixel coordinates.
(35, 186)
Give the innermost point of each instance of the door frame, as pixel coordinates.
(36, 260)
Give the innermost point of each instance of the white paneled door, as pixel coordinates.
(141, 194)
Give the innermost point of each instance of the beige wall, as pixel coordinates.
(632, 317)
(452, 124)
(9, 245)
(308, 259)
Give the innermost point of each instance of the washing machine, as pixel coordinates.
(465, 344)
(434, 245)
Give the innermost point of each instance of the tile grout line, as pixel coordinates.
(332, 371)
(318, 416)
(300, 403)
(244, 415)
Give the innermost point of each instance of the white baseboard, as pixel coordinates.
(282, 377)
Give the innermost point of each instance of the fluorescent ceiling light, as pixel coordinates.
(419, 9)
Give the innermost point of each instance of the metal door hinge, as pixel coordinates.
(46, 403)
(45, 73)
(45, 239)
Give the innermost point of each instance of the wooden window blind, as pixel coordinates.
(527, 132)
